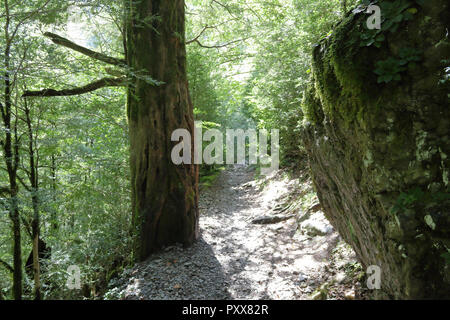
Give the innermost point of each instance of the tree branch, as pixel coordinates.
(218, 46)
(7, 266)
(23, 183)
(206, 28)
(88, 52)
(27, 227)
(105, 82)
(28, 16)
(199, 35)
(227, 8)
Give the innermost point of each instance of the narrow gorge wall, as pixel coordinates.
(377, 132)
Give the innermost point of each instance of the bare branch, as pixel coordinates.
(206, 28)
(227, 8)
(199, 35)
(28, 228)
(28, 16)
(23, 183)
(105, 82)
(218, 46)
(88, 52)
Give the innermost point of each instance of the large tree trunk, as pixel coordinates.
(34, 175)
(54, 218)
(164, 196)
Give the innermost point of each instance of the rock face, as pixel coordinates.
(377, 132)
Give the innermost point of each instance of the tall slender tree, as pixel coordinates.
(11, 150)
(33, 176)
(164, 196)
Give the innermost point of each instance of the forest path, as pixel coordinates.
(236, 259)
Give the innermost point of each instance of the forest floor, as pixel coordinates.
(244, 253)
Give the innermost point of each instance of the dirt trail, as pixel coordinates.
(236, 259)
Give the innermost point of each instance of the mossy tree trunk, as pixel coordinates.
(164, 196)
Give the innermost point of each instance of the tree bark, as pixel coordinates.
(11, 152)
(164, 196)
(102, 83)
(34, 182)
(11, 159)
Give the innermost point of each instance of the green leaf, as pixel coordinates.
(398, 18)
(408, 16)
(381, 37)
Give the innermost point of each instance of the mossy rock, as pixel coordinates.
(371, 142)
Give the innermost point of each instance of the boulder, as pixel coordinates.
(377, 134)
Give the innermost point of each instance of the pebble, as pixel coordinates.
(350, 295)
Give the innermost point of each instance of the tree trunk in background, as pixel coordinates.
(36, 266)
(344, 7)
(34, 182)
(11, 152)
(164, 196)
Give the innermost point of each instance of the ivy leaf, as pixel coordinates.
(408, 16)
(398, 18)
(387, 24)
(446, 257)
(420, 2)
(381, 37)
(394, 28)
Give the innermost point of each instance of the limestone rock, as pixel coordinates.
(316, 225)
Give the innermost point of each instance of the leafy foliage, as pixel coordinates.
(390, 69)
(393, 13)
(407, 200)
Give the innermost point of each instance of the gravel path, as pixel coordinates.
(235, 259)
